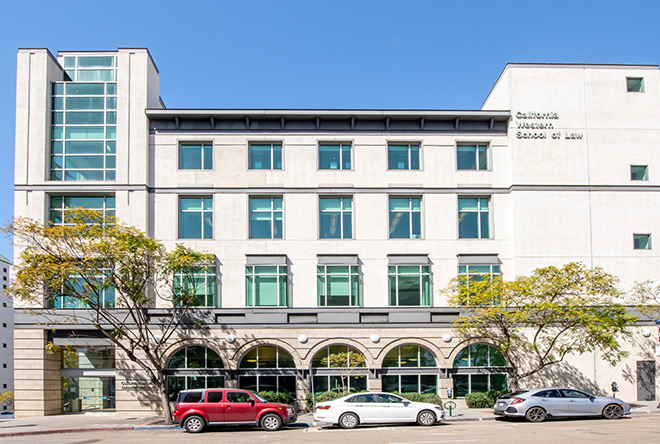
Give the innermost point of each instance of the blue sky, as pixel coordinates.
(324, 54)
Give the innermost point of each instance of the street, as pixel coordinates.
(644, 428)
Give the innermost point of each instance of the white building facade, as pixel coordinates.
(337, 230)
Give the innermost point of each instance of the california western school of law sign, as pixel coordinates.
(541, 125)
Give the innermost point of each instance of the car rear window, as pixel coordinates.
(191, 396)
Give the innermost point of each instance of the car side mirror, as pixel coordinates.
(252, 402)
(406, 403)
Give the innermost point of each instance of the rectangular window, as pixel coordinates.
(266, 286)
(201, 283)
(475, 273)
(335, 156)
(403, 156)
(405, 218)
(62, 206)
(88, 290)
(635, 84)
(473, 217)
(642, 241)
(265, 156)
(639, 172)
(195, 156)
(195, 218)
(338, 285)
(410, 285)
(335, 217)
(265, 218)
(472, 157)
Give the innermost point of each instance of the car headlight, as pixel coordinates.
(289, 410)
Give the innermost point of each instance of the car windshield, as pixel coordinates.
(259, 397)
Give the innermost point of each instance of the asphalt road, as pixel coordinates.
(641, 429)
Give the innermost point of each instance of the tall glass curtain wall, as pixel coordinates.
(84, 118)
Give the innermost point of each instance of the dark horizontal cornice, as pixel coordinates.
(310, 120)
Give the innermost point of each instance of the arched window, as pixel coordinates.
(339, 368)
(409, 356)
(265, 368)
(479, 355)
(194, 367)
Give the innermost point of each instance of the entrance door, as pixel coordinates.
(646, 380)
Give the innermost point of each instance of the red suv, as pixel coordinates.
(196, 409)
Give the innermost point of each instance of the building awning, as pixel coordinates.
(337, 259)
(478, 259)
(407, 259)
(265, 260)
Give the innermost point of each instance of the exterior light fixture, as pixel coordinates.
(646, 332)
(230, 338)
(446, 337)
(375, 338)
(302, 339)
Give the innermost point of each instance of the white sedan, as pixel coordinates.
(376, 408)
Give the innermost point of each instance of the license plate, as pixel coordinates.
(501, 404)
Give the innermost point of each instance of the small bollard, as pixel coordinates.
(450, 405)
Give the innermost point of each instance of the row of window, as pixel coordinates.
(193, 367)
(331, 156)
(266, 216)
(268, 286)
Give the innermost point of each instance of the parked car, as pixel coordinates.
(538, 404)
(6, 414)
(374, 408)
(196, 409)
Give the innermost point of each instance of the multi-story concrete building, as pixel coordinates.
(6, 331)
(336, 230)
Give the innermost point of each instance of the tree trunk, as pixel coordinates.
(167, 411)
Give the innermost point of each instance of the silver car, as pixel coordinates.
(538, 404)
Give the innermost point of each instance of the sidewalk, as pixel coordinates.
(109, 421)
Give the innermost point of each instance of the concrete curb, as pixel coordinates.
(53, 431)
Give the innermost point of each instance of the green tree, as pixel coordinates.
(7, 398)
(113, 277)
(645, 297)
(347, 362)
(536, 321)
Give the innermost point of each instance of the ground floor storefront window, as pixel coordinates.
(193, 368)
(88, 379)
(87, 394)
(410, 383)
(464, 384)
(479, 368)
(268, 383)
(332, 383)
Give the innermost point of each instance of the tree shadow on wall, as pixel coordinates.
(563, 375)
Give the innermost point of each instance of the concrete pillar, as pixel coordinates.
(37, 382)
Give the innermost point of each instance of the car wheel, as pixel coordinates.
(271, 422)
(535, 414)
(612, 411)
(348, 421)
(426, 418)
(194, 424)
